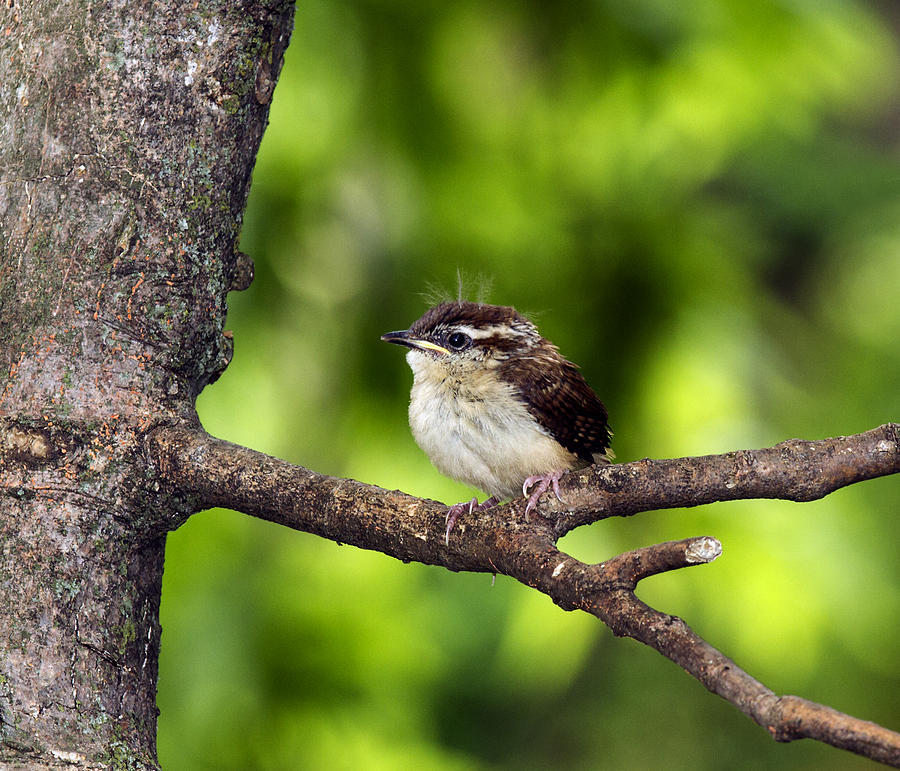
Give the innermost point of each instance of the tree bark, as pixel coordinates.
(127, 138)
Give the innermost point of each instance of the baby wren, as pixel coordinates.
(496, 406)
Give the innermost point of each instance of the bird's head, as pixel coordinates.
(462, 336)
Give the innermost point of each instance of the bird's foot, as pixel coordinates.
(458, 508)
(541, 483)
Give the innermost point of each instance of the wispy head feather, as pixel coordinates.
(475, 288)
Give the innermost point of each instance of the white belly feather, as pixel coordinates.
(482, 434)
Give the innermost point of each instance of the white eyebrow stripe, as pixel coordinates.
(481, 333)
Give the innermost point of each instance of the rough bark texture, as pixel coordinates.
(219, 473)
(128, 132)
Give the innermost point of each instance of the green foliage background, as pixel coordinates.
(698, 202)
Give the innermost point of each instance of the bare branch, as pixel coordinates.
(795, 470)
(212, 472)
(636, 565)
(607, 592)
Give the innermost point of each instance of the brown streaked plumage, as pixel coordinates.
(495, 405)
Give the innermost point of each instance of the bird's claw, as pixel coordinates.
(454, 512)
(541, 483)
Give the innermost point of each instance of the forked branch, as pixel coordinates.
(211, 472)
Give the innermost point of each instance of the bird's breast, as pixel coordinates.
(480, 433)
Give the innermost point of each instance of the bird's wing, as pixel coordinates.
(557, 396)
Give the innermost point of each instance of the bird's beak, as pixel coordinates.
(404, 338)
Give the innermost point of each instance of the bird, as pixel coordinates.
(496, 406)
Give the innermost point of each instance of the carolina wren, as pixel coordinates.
(496, 406)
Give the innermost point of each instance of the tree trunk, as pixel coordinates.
(128, 134)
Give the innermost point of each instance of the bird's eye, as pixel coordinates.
(458, 340)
